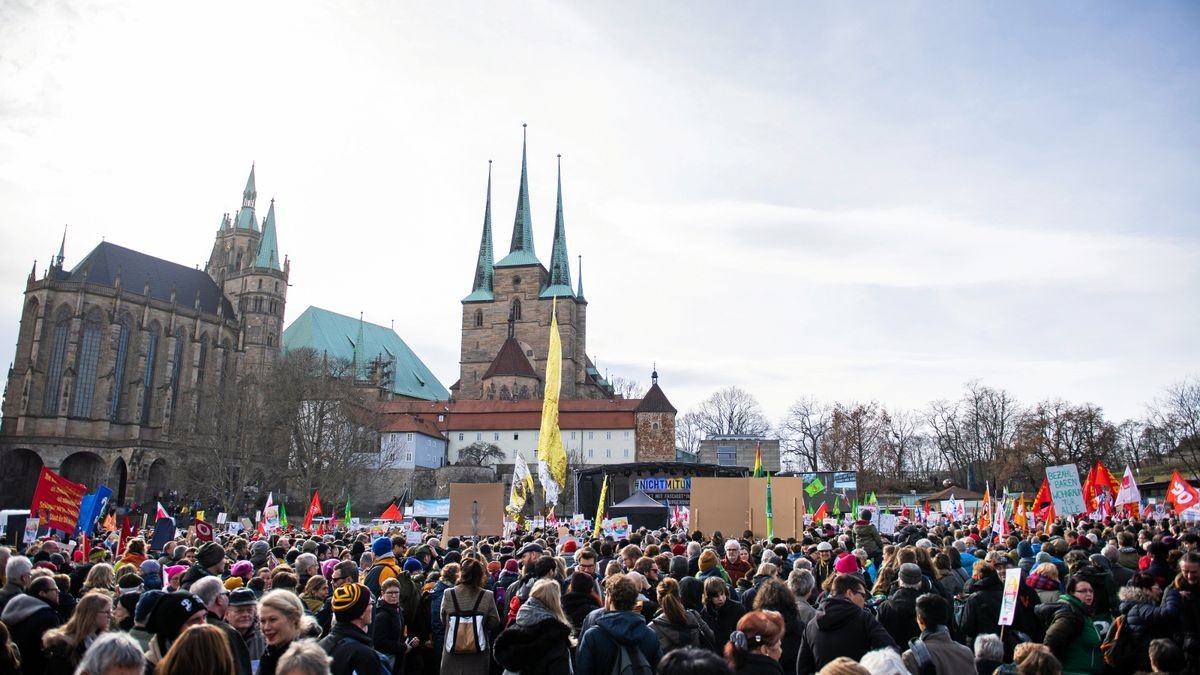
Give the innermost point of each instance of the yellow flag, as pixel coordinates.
(600, 508)
(522, 486)
(552, 458)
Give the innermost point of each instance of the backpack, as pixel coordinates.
(465, 633)
(630, 660)
(1118, 645)
(925, 664)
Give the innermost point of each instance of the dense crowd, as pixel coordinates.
(1095, 597)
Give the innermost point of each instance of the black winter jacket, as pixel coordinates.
(898, 614)
(723, 621)
(840, 628)
(351, 651)
(541, 649)
(1148, 620)
(387, 630)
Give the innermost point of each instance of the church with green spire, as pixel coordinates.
(506, 316)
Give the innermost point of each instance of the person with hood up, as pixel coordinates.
(619, 626)
(1025, 557)
(842, 627)
(1105, 602)
(675, 625)
(210, 561)
(151, 572)
(539, 641)
(29, 616)
(1150, 614)
(867, 537)
(580, 599)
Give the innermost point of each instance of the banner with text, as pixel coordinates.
(1065, 489)
(56, 501)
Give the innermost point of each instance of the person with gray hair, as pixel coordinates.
(1120, 574)
(307, 567)
(989, 652)
(113, 653)
(216, 599)
(885, 661)
(16, 575)
(802, 582)
(304, 657)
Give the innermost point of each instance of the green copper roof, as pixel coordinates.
(560, 268)
(268, 248)
(579, 293)
(245, 218)
(484, 271)
(342, 336)
(521, 251)
(250, 194)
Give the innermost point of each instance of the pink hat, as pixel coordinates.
(175, 569)
(241, 568)
(327, 567)
(847, 564)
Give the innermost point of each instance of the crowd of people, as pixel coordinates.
(1120, 595)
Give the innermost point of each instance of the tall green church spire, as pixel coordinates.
(560, 266)
(484, 272)
(245, 219)
(521, 251)
(268, 248)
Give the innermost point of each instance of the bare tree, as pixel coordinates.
(1055, 432)
(1139, 442)
(732, 411)
(802, 432)
(901, 442)
(480, 453)
(975, 433)
(857, 432)
(1176, 416)
(688, 433)
(231, 445)
(625, 387)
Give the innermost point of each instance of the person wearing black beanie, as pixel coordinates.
(348, 643)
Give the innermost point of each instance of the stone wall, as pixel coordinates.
(655, 433)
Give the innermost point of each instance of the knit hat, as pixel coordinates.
(171, 612)
(582, 582)
(569, 546)
(145, 605)
(242, 596)
(241, 568)
(234, 582)
(259, 547)
(327, 567)
(129, 601)
(350, 601)
(493, 567)
(412, 565)
(173, 570)
(910, 574)
(1042, 557)
(824, 546)
(678, 549)
(708, 560)
(150, 567)
(309, 546)
(129, 584)
(210, 554)
(1025, 549)
(96, 554)
(511, 565)
(381, 546)
(847, 564)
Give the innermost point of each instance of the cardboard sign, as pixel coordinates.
(413, 537)
(247, 526)
(1012, 586)
(1065, 489)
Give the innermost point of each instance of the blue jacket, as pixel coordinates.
(597, 650)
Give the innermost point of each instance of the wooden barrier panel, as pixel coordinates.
(483, 501)
(720, 504)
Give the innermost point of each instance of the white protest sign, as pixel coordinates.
(1012, 586)
(222, 517)
(1065, 489)
(31, 528)
(887, 523)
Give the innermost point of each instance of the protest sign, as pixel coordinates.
(222, 518)
(233, 527)
(1012, 586)
(56, 501)
(31, 528)
(887, 523)
(620, 527)
(1065, 489)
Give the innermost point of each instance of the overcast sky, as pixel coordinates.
(850, 201)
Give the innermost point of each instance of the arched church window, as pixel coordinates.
(516, 309)
(478, 318)
(119, 368)
(148, 373)
(58, 355)
(176, 367)
(89, 356)
(202, 358)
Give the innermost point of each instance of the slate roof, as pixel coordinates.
(655, 401)
(105, 261)
(511, 361)
(603, 413)
(334, 334)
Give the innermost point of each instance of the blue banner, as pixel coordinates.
(431, 508)
(91, 508)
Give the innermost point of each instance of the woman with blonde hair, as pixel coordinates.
(315, 592)
(100, 578)
(283, 621)
(66, 644)
(200, 650)
(1044, 580)
(539, 640)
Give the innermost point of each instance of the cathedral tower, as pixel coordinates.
(245, 263)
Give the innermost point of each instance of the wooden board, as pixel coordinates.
(489, 498)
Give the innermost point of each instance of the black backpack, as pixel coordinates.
(629, 660)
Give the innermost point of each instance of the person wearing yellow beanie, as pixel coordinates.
(348, 643)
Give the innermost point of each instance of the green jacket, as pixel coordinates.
(1073, 638)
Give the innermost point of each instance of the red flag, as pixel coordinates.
(204, 531)
(1089, 491)
(56, 501)
(821, 512)
(391, 513)
(904, 511)
(1106, 480)
(128, 531)
(1043, 495)
(1181, 494)
(314, 509)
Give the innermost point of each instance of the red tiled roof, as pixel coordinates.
(523, 414)
(511, 361)
(409, 423)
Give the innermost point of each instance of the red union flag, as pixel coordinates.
(56, 501)
(314, 510)
(1181, 494)
(204, 531)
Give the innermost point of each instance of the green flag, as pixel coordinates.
(837, 505)
(871, 498)
(347, 515)
(814, 487)
(854, 507)
(770, 513)
(283, 516)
